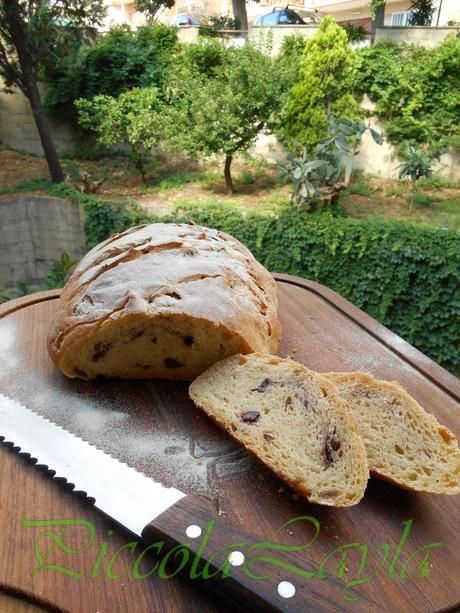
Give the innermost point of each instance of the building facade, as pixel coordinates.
(396, 11)
(356, 11)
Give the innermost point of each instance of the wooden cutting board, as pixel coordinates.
(154, 427)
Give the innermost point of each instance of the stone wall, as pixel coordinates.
(17, 126)
(34, 231)
(417, 35)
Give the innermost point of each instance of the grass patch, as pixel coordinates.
(27, 186)
(421, 200)
(361, 189)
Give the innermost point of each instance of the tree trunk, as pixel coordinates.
(30, 89)
(240, 13)
(228, 175)
(44, 131)
(378, 21)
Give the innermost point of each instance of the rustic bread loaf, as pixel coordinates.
(405, 445)
(292, 419)
(163, 300)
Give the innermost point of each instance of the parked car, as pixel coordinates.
(287, 17)
(189, 19)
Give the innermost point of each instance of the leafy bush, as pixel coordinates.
(323, 86)
(405, 276)
(59, 271)
(117, 61)
(218, 23)
(421, 12)
(204, 57)
(435, 182)
(289, 58)
(417, 165)
(324, 169)
(416, 90)
(356, 32)
(421, 200)
(137, 117)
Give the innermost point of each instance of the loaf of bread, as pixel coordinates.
(292, 419)
(405, 445)
(166, 301)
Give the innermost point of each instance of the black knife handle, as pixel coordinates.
(203, 556)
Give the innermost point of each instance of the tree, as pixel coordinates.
(151, 8)
(137, 117)
(421, 12)
(117, 61)
(322, 87)
(240, 13)
(417, 165)
(222, 106)
(34, 33)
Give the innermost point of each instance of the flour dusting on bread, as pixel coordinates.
(163, 301)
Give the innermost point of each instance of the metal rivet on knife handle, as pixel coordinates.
(132, 500)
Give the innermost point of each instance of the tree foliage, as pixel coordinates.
(421, 12)
(116, 62)
(417, 165)
(51, 29)
(33, 35)
(323, 86)
(151, 8)
(416, 91)
(137, 117)
(222, 99)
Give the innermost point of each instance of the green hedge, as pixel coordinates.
(407, 277)
(416, 90)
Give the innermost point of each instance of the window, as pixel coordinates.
(400, 18)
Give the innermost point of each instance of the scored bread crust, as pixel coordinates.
(305, 432)
(163, 300)
(405, 444)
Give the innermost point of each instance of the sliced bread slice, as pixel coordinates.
(292, 419)
(405, 445)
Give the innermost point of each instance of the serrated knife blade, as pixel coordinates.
(151, 512)
(138, 499)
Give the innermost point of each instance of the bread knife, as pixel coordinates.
(151, 511)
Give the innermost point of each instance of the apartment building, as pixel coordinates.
(397, 12)
(357, 11)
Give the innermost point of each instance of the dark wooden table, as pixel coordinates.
(154, 427)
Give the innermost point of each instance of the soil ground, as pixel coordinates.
(174, 181)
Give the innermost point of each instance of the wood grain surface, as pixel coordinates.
(153, 426)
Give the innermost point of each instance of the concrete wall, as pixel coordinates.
(274, 35)
(378, 160)
(418, 35)
(17, 126)
(381, 161)
(34, 230)
(188, 34)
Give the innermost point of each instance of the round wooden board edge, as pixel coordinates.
(432, 371)
(435, 373)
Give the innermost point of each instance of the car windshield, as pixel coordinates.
(289, 17)
(183, 20)
(269, 20)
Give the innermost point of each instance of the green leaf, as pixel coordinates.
(377, 137)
